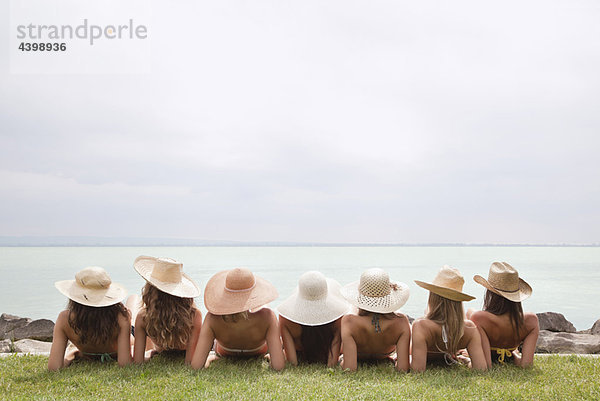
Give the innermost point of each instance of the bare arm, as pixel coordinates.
(402, 347)
(531, 321)
(124, 341)
(479, 319)
(474, 348)
(419, 347)
(205, 343)
(277, 359)
(349, 346)
(59, 343)
(288, 343)
(193, 340)
(139, 344)
(334, 355)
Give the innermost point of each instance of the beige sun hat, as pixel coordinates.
(448, 283)
(316, 301)
(374, 292)
(167, 275)
(237, 290)
(92, 287)
(504, 280)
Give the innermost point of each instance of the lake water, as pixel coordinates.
(564, 279)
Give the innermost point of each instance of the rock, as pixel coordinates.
(32, 346)
(41, 330)
(5, 346)
(10, 322)
(553, 321)
(567, 343)
(596, 328)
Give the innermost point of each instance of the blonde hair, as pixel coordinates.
(169, 319)
(450, 314)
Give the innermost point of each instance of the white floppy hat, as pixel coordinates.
(92, 287)
(375, 292)
(316, 301)
(167, 275)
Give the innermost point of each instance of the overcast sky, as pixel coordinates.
(333, 121)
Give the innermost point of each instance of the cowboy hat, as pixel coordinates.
(316, 301)
(374, 292)
(504, 280)
(167, 275)
(237, 290)
(92, 287)
(448, 283)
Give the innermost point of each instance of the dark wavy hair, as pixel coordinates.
(96, 325)
(316, 343)
(498, 305)
(169, 319)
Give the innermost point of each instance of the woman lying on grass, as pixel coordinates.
(231, 326)
(443, 331)
(376, 333)
(310, 321)
(502, 324)
(168, 321)
(95, 321)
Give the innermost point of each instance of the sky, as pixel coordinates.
(311, 121)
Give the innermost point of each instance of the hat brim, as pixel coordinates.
(112, 295)
(220, 301)
(315, 312)
(445, 292)
(521, 294)
(186, 288)
(387, 304)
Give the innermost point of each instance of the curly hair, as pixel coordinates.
(96, 325)
(168, 319)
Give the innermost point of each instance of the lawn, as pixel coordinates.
(552, 378)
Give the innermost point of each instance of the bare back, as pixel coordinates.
(362, 339)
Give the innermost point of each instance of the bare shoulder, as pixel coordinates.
(531, 321)
(402, 322)
(266, 314)
(422, 324)
(140, 319)
(469, 325)
(480, 316)
(197, 316)
(62, 319)
(124, 321)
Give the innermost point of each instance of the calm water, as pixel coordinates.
(564, 279)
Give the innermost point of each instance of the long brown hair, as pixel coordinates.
(169, 319)
(499, 305)
(96, 325)
(316, 342)
(450, 314)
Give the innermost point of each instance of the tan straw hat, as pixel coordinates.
(504, 280)
(376, 293)
(92, 287)
(237, 290)
(316, 301)
(448, 283)
(167, 275)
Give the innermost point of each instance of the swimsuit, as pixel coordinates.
(102, 356)
(221, 350)
(502, 354)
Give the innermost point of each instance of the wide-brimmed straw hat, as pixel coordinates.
(92, 287)
(448, 283)
(167, 275)
(504, 280)
(237, 290)
(374, 292)
(316, 301)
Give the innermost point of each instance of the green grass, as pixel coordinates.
(552, 378)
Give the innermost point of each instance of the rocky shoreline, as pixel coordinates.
(557, 335)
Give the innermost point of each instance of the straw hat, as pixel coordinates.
(375, 292)
(448, 283)
(237, 290)
(92, 287)
(167, 275)
(316, 301)
(504, 280)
